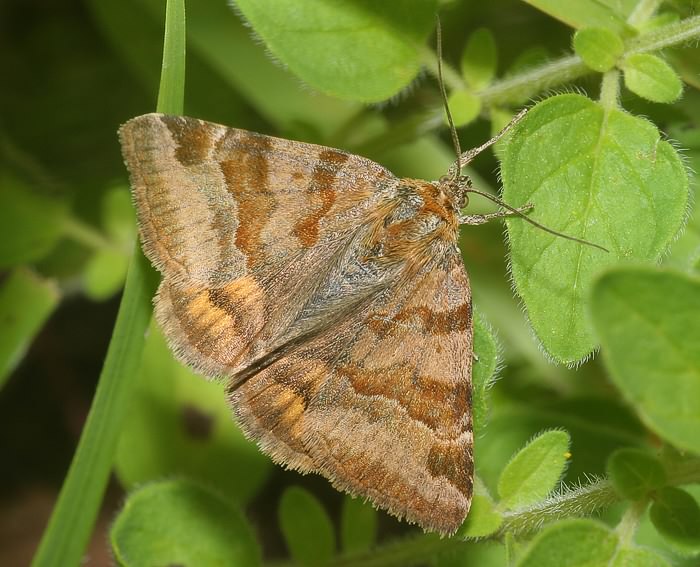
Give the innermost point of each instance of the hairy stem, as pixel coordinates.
(610, 90)
(669, 35)
(519, 88)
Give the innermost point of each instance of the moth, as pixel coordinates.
(328, 294)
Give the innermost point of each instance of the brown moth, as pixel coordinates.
(328, 294)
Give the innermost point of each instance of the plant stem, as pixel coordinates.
(630, 520)
(610, 90)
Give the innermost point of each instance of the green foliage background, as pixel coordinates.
(561, 435)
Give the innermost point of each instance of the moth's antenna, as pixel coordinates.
(464, 158)
(455, 138)
(535, 223)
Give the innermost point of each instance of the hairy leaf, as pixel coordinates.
(604, 176)
(359, 49)
(535, 470)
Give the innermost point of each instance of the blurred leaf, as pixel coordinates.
(529, 58)
(483, 553)
(483, 370)
(358, 525)
(176, 522)
(604, 177)
(180, 423)
(635, 473)
(118, 217)
(657, 21)
(638, 557)
(464, 106)
(648, 322)
(31, 221)
(599, 48)
(651, 77)
(480, 59)
(359, 50)
(105, 273)
(571, 543)
(26, 301)
(535, 470)
(676, 515)
(426, 158)
(610, 14)
(685, 60)
(307, 528)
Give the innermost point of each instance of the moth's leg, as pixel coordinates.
(481, 219)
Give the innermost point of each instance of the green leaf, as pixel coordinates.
(610, 14)
(603, 176)
(635, 473)
(104, 273)
(479, 59)
(306, 527)
(484, 518)
(571, 543)
(599, 48)
(31, 221)
(535, 470)
(648, 322)
(638, 557)
(177, 522)
(359, 49)
(358, 525)
(676, 516)
(464, 106)
(26, 301)
(181, 424)
(651, 78)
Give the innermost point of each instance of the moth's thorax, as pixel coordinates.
(419, 215)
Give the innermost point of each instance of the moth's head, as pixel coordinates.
(457, 187)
